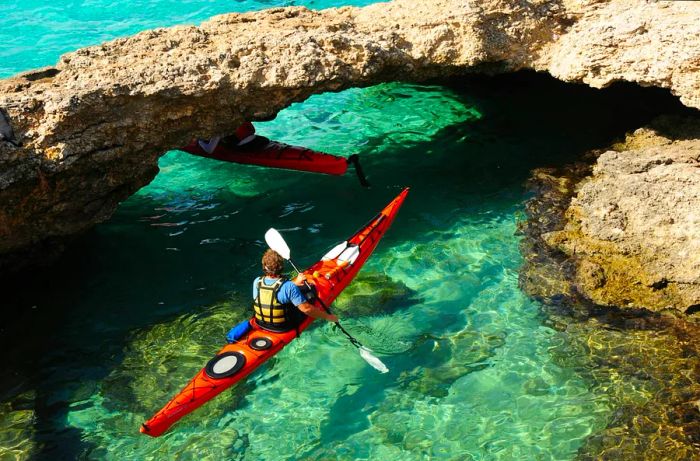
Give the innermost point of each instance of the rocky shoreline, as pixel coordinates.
(598, 230)
(623, 231)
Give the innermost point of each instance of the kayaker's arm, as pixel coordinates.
(316, 312)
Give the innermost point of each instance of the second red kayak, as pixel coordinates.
(329, 277)
(263, 152)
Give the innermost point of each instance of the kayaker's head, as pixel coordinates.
(272, 263)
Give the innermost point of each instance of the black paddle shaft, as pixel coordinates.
(353, 341)
(355, 160)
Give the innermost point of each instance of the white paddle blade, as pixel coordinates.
(372, 360)
(276, 242)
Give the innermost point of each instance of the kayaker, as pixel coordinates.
(243, 135)
(279, 303)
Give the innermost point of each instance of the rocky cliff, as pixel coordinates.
(634, 227)
(626, 229)
(77, 138)
(617, 233)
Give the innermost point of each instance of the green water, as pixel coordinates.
(105, 337)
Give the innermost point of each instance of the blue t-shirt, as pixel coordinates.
(288, 292)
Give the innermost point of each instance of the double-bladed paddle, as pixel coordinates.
(276, 242)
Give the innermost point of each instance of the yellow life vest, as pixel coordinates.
(269, 312)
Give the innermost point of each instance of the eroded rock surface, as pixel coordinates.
(631, 232)
(653, 43)
(80, 137)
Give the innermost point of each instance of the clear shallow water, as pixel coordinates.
(104, 338)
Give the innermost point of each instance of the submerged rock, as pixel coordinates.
(546, 274)
(374, 293)
(82, 136)
(17, 439)
(647, 368)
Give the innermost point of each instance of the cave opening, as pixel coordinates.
(497, 128)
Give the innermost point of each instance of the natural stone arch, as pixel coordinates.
(87, 133)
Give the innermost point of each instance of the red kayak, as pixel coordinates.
(263, 152)
(329, 277)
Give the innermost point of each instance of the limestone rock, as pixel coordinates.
(649, 43)
(633, 227)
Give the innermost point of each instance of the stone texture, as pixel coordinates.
(80, 137)
(631, 231)
(652, 43)
(634, 228)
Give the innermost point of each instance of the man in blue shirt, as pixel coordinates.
(278, 303)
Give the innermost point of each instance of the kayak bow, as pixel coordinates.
(329, 277)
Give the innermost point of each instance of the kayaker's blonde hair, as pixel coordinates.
(272, 263)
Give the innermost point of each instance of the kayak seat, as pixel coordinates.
(349, 255)
(256, 144)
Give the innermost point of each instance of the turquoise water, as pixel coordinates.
(106, 336)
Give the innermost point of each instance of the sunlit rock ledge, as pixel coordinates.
(82, 136)
(624, 231)
(634, 226)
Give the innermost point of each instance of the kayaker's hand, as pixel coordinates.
(332, 318)
(301, 278)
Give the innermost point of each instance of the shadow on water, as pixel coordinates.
(71, 322)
